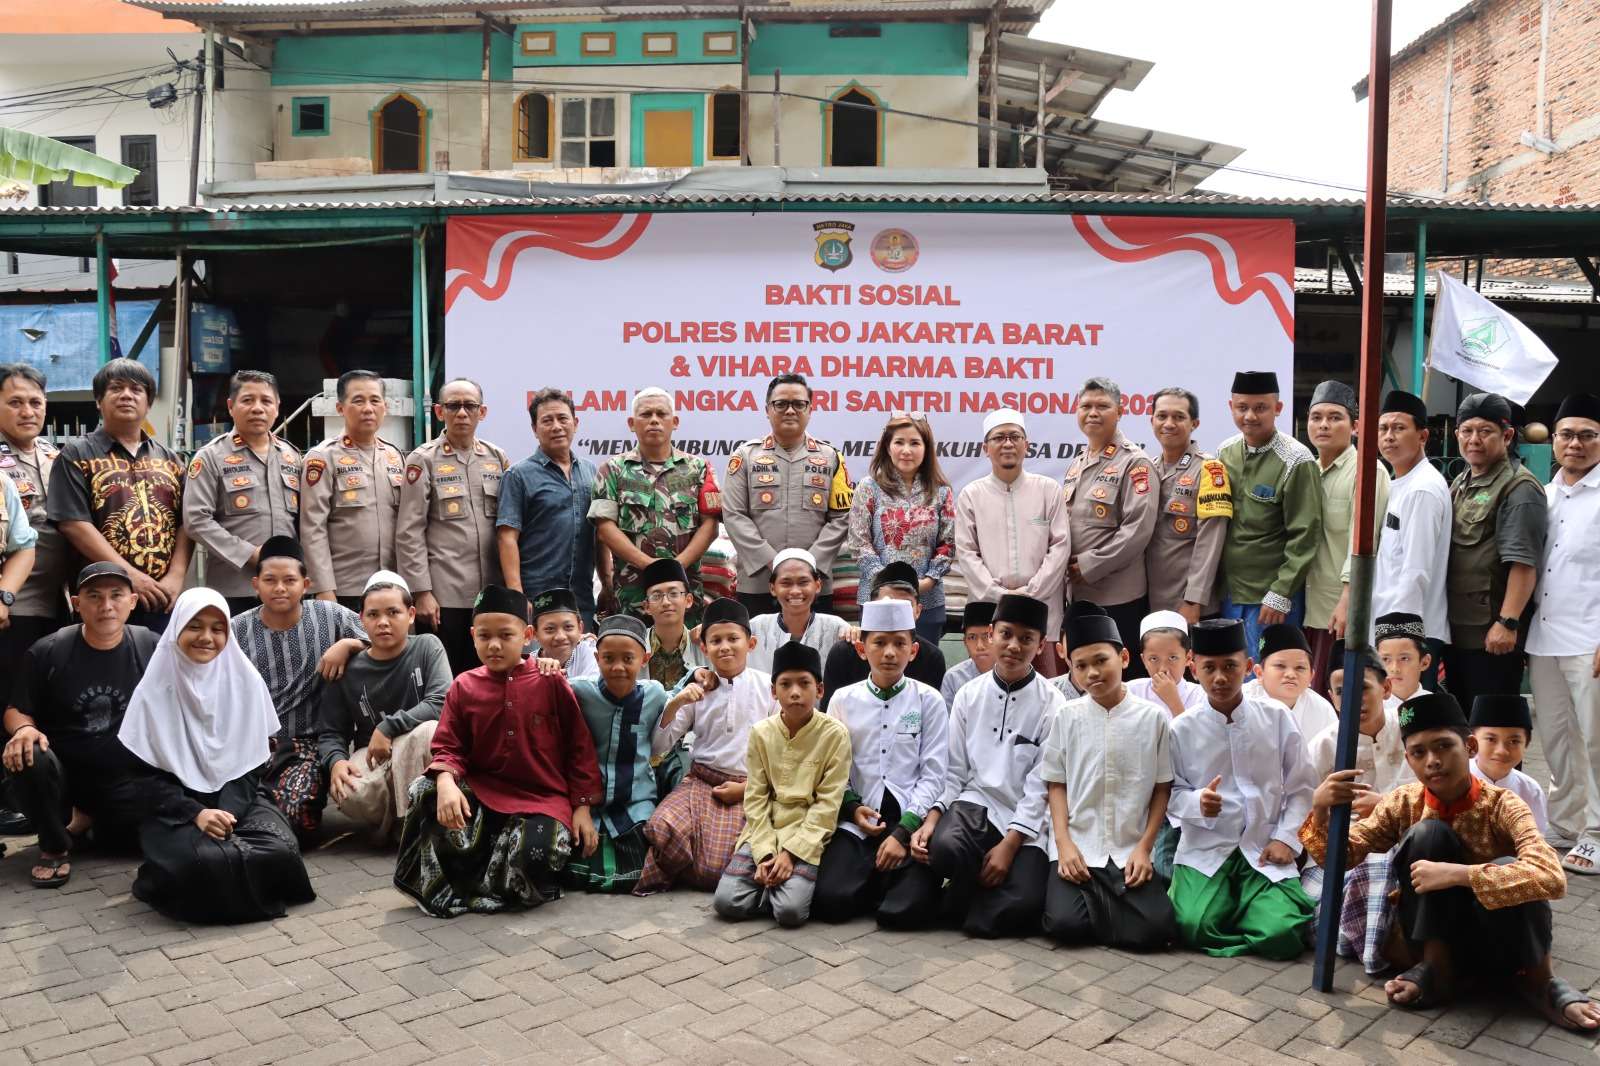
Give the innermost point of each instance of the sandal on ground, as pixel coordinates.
(1552, 1005)
(55, 878)
(1588, 850)
(1426, 977)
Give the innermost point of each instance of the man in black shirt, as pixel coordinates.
(897, 581)
(66, 708)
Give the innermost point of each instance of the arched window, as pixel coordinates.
(534, 112)
(399, 133)
(855, 131)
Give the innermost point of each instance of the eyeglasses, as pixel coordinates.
(789, 405)
(663, 596)
(1584, 437)
(907, 416)
(1006, 438)
(461, 405)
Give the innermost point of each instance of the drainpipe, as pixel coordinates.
(102, 294)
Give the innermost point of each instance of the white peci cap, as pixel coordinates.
(1006, 416)
(1163, 620)
(887, 616)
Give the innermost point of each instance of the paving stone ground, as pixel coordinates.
(90, 975)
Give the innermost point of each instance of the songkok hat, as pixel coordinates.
(1255, 382)
(1085, 626)
(1005, 416)
(1365, 662)
(552, 600)
(1405, 403)
(624, 625)
(1335, 392)
(1430, 710)
(978, 613)
(1280, 637)
(662, 571)
(1510, 712)
(280, 547)
(797, 656)
(1163, 620)
(794, 553)
(385, 577)
(1487, 405)
(887, 616)
(1398, 624)
(1578, 405)
(721, 610)
(497, 599)
(900, 575)
(104, 568)
(1023, 611)
(1217, 636)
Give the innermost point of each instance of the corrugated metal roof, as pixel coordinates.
(1310, 280)
(348, 10)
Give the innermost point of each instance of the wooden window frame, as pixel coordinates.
(671, 37)
(585, 52)
(711, 125)
(519, 132)
(150, 175)
(375, 122)
(586, 138)
(827, 121)
(549, 38)
(294, 116)
(731, 50)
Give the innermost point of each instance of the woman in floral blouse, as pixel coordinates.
(904, 511)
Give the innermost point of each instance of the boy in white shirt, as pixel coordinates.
(899, 729)
(1401, 642)
(695, 828)
(1108, 770)
(1283, 672)
(1241, 786)
(558, 630)
(1503, 726)
(1164, 647)
(984, 833)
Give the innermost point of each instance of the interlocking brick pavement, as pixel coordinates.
(90, 975)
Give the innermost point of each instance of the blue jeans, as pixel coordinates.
(930, 626)
(1250, 614)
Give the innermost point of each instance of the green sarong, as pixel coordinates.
(1238, 911)
(615, 865)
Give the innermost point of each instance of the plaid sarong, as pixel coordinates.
(692, 834)
(616, 865)
(1366, 913)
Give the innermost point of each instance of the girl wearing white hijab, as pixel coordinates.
(215, 848)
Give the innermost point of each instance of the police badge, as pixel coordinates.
(833, 245)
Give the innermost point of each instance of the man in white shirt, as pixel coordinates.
(1012, 531)
(1416, 527)
(984, 833)
(1241, 786)
(1564, 641)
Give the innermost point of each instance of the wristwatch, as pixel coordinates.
(6, 598)
(1509, 622)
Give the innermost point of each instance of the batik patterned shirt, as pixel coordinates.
(135, 499)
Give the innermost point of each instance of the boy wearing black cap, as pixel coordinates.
(621, 712)
(1241, 786)
(976, 621)
(1475, 874)
(673, 652)
(1496, 543)
(899, 731)
(1277, 510)
(1416, 526)
(507, 797)
(1502, 727)
(843, 667)
(558, 630)
(1402, 646)
(694, 830)
(1283, 672)
(799, 764)
(985, 832)
(1108, 769)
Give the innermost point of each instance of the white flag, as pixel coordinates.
(1478, 343)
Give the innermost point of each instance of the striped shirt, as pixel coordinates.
(287, 659)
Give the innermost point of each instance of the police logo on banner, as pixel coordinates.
(833, 245)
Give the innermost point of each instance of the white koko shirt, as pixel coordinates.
(997, 735)
(900, 744)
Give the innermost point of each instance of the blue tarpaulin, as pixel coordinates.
(62, 341)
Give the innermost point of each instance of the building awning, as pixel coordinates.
(33, 159)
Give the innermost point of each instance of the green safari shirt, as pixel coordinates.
(1277, 520)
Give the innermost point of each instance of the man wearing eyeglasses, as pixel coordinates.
(445, 536)
(1564, 639)
(786, 490)
(1497, 539)
(242, 489)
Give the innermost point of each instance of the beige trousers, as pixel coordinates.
(381, 796)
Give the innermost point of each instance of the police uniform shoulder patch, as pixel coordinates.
(1215, 498)
(1140, 476)
(314, 468)
(412, 473)
(734, 464)
(194, 468)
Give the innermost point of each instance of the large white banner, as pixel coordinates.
(949, 314)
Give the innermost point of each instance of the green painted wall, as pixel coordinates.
(642, 102)
(903, 48)
(629, 43)
(388, 57)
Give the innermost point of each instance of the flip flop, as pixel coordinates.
(1428, 995)
(1558, 996)
(56, 878)
(1585, 849)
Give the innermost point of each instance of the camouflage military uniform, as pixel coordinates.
(658, 506)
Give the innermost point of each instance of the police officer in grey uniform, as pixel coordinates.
(1111, 502)
(1194, 506)
(350, 497)
(242, 488)
(786, 490)
(445, 542)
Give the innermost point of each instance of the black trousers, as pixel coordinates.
(238, 605)
(849, 885)
(1482, 941)
(45, 794)
(759, 602)
(1104, 910)
(455, 633)
(1013, 907)
(1128, 616)
(351, 602)
(15, 639)
(1470, 673)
